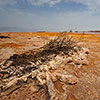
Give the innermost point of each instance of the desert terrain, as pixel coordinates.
(67, 80)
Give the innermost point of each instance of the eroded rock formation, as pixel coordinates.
(54, 66)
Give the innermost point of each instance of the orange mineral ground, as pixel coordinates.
(24, 41)
(88, 87)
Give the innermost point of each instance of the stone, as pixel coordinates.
(80, 58)
(85, 50)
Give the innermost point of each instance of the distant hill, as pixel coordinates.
(98, 31)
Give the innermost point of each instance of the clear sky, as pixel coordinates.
(49, 15)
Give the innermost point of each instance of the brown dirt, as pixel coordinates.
(88, 87)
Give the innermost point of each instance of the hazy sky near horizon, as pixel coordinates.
(49, 15)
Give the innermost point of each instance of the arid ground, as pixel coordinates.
(88, 75)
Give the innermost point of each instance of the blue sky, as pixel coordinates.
(49, 15)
